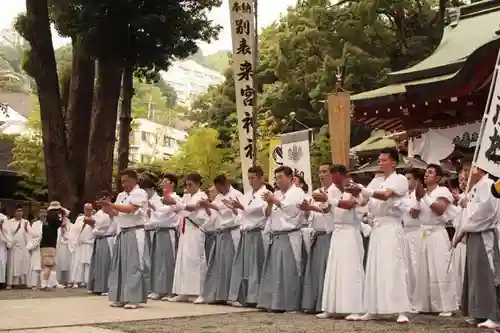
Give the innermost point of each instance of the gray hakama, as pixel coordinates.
(128, 276)
(148, 240)
(314, 277)
(210, 238)
(247, 268)
(220, 265)
(163, 252)
(480, 295)
(281, 280)
(100, 264)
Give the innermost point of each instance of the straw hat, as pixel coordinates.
(54, 205)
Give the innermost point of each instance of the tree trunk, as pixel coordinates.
(99, 173)
(78, 117)
(125, 122)
(52, 120)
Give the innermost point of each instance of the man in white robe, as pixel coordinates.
(63, 254)
(81, 243)
(344, 277)
(191, 264)
(5, 243)
(412, 229)
(249, 258)
(385, 288)
(34, 239)
(435, 289)
(284, 254)
(222, 251)
(18, 262)
(317, 239)
(128, 285)
(480, 292)
(165, 221)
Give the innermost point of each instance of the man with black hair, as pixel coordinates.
(249, 257)
(17, 270)
(321, 223)
(104, 232)
(299, 181)
(34, 237)
(281, 283)
(385, 289)
(128, 285)
(191, 263)
(344, 265)
(480, 294)
(164, 221)
(223, 249)
(412, 228)
(435, 289)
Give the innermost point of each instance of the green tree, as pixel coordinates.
(28, 157)
(121, 36)
(200, 153)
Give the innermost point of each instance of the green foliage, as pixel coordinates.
(149, 101)
(28, 157)
(218, 61)
(12, 54)
(200, 153)
(301, 54)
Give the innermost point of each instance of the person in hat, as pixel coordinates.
(48, 242)
(17, 270)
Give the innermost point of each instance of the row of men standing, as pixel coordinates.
(23, 243)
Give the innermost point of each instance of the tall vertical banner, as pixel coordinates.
(487, 153)
(275, 157)
(243, 37)
(339, 126)
(297, 155)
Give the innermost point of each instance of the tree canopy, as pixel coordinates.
(302, 52)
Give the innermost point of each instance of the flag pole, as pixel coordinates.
(255, 67)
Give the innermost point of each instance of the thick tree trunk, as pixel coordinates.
(78, 117)
(99, 173)
(125, 121)
(52, 120)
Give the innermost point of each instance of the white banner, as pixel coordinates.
(487, 154)
(243, 36)
(296, 154)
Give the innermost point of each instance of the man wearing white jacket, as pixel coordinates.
(81, 243)
(34, 238)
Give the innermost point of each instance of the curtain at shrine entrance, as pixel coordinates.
(438, 143)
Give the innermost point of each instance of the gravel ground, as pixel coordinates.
(262, 322)
(28, 293)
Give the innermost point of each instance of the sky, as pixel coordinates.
(269, 11)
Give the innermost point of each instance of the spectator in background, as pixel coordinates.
(48, 243)
(299, 181)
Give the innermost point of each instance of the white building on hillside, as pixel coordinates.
(151, 141)
(12, 122)
(189, 79)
